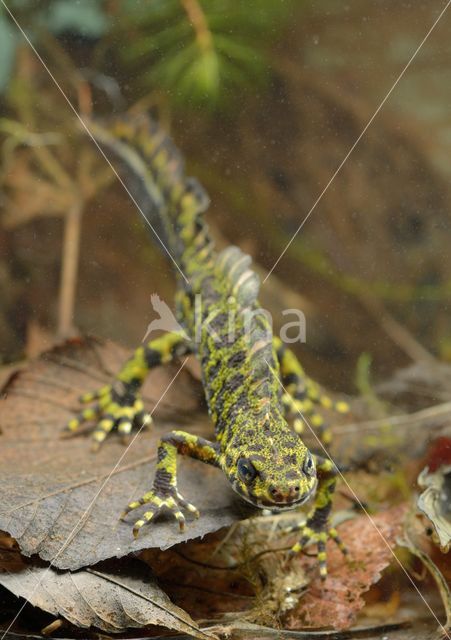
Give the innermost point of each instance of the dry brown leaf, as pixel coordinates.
(336, 602)
(435, 502)
(411, 542)
(10, 558)
(57, 499)
(111, 598)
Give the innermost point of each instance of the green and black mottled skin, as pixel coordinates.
(257, 393)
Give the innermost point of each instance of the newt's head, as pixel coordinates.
(271, 471)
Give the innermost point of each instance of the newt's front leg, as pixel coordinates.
(317, 528)
(119, 405)
(164, 493)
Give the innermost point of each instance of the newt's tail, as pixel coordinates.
(153, 172)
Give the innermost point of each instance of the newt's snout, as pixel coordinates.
(288, 494)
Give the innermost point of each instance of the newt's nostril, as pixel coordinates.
(284, 494)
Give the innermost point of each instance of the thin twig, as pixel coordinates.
(248, 630)
(224, 594)
(232, 567)
(403, 420)
(70, 254)
(396, 331)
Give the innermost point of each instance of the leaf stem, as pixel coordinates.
(198, 21)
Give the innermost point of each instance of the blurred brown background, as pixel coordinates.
(371, 268)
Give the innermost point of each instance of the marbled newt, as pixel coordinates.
(255, 388)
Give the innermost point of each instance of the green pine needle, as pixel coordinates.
(206, 61)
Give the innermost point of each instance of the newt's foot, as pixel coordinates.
(310, 535)
(116, 407)
(158, 501)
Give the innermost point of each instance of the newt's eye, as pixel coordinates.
(309, 465)
(246, 471)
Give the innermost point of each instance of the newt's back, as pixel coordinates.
(217, 299)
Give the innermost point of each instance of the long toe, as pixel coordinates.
(333, 533)
(102, 430)
(147, 517)
(322, 559)
(90, 413)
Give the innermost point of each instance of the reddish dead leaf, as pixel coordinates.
(186, 573)
(439, 453)
(336, 602)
